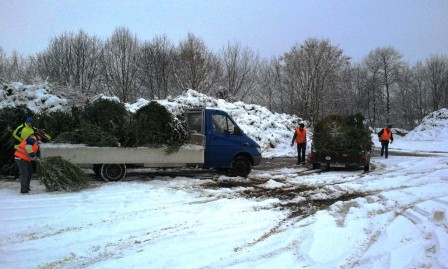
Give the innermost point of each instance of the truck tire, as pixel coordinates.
(241, 167)
(113, 172)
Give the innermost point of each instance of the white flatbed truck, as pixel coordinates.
(216, 142)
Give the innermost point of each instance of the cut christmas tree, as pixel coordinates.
(340, 141)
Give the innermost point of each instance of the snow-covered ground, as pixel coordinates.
(394, 216)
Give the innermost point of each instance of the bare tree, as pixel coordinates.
(71, 60)
(436, 80)
(404, 115)
(120, 65)
(196, 67)
(312, 70)
(12, 68)
(3, 65)
(56, 61)
(345, 98)
(359, 82)
(239, 71)
(156, 67)
(87, 54)
(386, 64)
(420, 93)
(372, 91)
(271, 92)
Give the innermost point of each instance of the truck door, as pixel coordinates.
(224, 140)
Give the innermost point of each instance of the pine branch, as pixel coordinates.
(58, 174)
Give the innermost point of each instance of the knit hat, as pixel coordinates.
(29, 120)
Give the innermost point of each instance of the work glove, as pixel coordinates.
(292, 144)
(391, 141)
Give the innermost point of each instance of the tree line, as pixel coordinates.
(312, 80)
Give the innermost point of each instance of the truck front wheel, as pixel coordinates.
(241, 167)
(113, 172)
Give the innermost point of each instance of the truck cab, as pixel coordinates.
(227, 147)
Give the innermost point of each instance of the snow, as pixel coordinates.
(395, 216)
(35, 97)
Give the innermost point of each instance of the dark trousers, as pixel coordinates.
(385, 148)
(26, 171)
(301, 148)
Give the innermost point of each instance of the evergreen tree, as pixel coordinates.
(156, 126)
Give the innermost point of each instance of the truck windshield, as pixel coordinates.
(222, 124)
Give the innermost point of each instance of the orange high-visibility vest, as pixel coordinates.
(301, 136)
(386, 135)
(22, 151)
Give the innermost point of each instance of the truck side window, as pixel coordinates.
(230, 127)
(221, 124)
(194, 122)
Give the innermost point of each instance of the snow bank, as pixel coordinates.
(433, 127)
(430, 136)
(35, 97)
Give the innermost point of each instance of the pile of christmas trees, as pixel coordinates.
(103, 122)
(107, 123)
(339, 133)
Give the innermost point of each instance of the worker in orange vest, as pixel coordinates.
(300, 139)
(24, 155)
(385, 135)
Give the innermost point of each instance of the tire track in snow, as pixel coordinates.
(422, 221)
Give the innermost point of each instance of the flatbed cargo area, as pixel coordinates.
(150, 157)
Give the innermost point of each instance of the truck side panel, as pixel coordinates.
(149, 157)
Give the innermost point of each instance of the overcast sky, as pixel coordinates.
(417, 29)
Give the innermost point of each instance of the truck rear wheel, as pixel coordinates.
(113, 172)
(241, 167)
